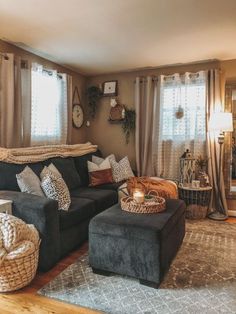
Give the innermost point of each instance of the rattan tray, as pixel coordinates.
(155, 205)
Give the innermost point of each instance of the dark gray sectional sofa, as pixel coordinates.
(60, 231)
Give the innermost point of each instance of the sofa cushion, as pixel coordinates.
(67, 169)
(82, 166)
(103, 198)
(80, 209)
(110, 186)
(8, 174)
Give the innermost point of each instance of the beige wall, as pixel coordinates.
(110, 137)
(78, 135)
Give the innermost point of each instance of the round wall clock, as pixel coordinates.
(77, 116)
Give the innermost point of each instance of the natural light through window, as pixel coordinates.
(49, 108)
(191, 100)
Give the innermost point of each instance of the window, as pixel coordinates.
(181, 121)
(49, 107)
(190, 100)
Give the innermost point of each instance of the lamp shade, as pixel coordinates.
(221, 121)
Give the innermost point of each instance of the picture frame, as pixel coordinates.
(110, 88)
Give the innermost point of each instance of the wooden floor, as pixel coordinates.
(27, 301)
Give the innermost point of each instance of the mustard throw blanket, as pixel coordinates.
(40, 153)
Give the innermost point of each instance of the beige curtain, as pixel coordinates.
(12, 94)
(69, 104)
(26, 106)
(215, 103)
(7, 100)
(145, 99)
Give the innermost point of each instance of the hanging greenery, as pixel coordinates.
(128, 124)
(94, 94)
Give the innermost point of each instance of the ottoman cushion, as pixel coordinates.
(138, 245)
(150, 227)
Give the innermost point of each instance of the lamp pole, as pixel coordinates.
(218, 214)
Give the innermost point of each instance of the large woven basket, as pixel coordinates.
(155, 205)
(18, 272)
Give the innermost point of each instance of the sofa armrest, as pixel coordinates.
(43, 214)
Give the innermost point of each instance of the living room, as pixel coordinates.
(117, 156)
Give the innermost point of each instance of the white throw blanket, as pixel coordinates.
(40, 153)
(17, 239)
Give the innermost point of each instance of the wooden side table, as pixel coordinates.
(197, 200)
(6, 206)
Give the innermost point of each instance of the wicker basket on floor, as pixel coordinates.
(19, 252)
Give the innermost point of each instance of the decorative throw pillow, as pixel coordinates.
(121, 170)
(55, 188)
(98, 160)
(50, 169)
(100, 174)
(67, 169)
(29, 182)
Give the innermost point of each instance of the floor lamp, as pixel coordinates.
(220, 122)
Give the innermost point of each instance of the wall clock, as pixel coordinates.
(77, 111)
(77, 116)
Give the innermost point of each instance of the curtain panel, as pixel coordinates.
(215, 104)
(13, 91)
(180, 121)
(69, 108)
(145, 104)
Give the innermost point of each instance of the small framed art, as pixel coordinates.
(110, 88)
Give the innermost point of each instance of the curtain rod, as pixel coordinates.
(50, 72)
(155, 78)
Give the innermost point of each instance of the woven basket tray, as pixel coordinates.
(155, 205)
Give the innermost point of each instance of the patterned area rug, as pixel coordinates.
(202, 279)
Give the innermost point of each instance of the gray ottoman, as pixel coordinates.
(137, 245)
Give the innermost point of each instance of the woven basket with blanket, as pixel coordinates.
(19, 251)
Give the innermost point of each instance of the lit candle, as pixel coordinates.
(138, 196)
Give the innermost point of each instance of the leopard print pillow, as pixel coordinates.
(55, 188)
(121, 170)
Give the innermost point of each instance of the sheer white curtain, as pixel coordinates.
(179, 121)
(49, 119)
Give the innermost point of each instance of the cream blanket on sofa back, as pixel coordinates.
(40, 153)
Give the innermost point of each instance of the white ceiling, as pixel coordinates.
(101, 36)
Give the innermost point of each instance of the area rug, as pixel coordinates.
(202, 279)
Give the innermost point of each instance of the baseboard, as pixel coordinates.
(232, 213)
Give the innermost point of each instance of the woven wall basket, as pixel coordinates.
(155, 205)
(17, 273)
